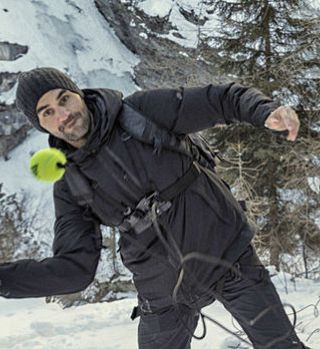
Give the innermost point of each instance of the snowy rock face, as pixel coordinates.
(7, 81)
(165, 35)
(84, 39)
(70, 36)
(13, 125)
(11, 52)
(13, 129)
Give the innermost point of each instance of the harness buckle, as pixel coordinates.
(141, 218)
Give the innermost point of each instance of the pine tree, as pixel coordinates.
(261, 41)
(273, 45)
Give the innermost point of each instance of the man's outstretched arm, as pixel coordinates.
(76, 250)
(188, 110)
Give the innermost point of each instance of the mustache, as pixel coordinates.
(70, 118)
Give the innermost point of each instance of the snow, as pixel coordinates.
(15, 172)
(73, 36)
(143, 35)
(315, 3)
(314, 184)
(33, 324)
(188, 30)
(157, 8)
(70, 36)
(296, 196)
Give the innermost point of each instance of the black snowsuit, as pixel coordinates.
(204, 218)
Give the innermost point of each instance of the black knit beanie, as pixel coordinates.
(33, 84)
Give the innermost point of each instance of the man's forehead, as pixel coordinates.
(52, 93)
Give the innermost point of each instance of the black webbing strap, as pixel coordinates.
(79, 185)
(181, 184)
(136, 312)
(140, 218)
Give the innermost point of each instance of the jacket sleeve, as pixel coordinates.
(76, 252)
(188, 110)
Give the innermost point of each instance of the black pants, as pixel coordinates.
(246, 298)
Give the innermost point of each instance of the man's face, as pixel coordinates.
(65, 115)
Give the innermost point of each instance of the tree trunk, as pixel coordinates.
(275, 251)
(114, 250)
(275, 247)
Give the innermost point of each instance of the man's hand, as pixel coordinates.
(284, 119)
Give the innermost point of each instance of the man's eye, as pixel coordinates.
(47, 112)
(64, 99)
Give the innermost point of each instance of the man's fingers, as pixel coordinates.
(292, 135)
(282, 119)
(293, 132)
(292, 123)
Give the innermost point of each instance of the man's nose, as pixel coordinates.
(62, 113)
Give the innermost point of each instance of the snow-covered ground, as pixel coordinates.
(33, 324)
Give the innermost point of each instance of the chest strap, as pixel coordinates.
(139, 219)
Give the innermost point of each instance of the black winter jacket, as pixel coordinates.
(121, 170)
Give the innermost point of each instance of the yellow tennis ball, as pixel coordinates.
(48, 164)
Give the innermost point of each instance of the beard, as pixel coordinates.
(76, 127)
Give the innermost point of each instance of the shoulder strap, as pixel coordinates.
(79, 185)
(145, 130)
(135, 124)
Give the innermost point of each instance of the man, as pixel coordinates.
(135, 156)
